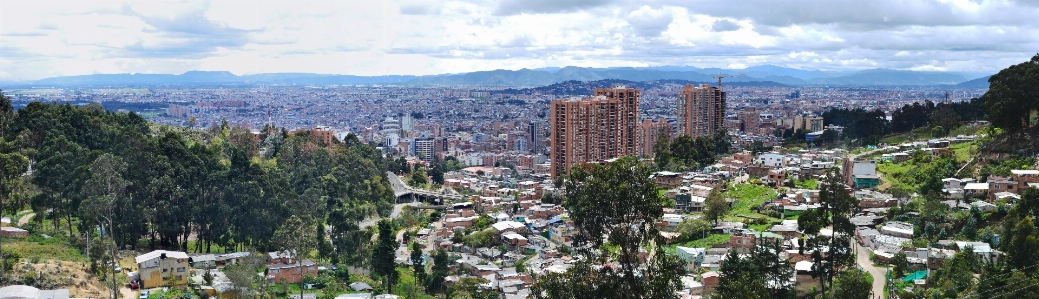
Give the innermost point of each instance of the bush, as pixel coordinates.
(10, 259)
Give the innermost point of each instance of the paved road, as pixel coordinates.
(862, 258)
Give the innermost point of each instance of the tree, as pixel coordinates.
(744, 285)
(436, 174)
(6, 114)
(836, 202)
(683, 151)
(435, 284)
(715, 207)
(103, 189)
(383, 256)
(694, 228)
(1011, 96)
(12, 166)
(242, 275)
(296, 238)
(417, 263)
(851, 283)
(661, 151)
(1021, 251)
(619, 204)
(324, 247)
(899, 264)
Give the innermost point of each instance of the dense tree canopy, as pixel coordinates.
(224, 185)
(1012, 96)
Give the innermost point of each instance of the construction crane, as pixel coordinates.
(720, 76)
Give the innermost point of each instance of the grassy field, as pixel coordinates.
(707, 242)
(811, 184)
(407, 287)
(747, 196)
(893, 174)
(962, 151)
(35, 248)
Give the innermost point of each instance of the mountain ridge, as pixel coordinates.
(533, 77)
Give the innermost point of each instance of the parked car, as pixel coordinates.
(145, 294)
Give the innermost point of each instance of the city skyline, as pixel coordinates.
(422, 38)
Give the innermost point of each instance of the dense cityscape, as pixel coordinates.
(508, 149)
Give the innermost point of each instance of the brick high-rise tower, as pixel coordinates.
(647, 135)
(593, 129)
(629, 98)
(701, 110)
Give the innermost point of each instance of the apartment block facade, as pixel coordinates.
(648, 133)
(593, 129)
(701, 110)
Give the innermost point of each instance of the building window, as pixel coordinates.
(180, 277)
(275, 271)
(181, 269)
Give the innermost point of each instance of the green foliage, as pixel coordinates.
(435, 283)
(685, 152)
(899, 264)
(715, 207)
(1010, 98)
(694, 228)
(662, 151)
(621, 202)
(740, 275)
(852, 283)
(481, 238)
(383, 255)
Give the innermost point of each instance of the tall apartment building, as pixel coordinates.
(629, 99)
(701, 110)
(647, 135)
(593, 129)
(535, 133)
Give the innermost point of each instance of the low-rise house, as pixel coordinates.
(742, 240)
(667, 179)
(203, 261)
(897, 229)
(283, 268)
(514, 240)
(692, 256)
(871, 199)
(980, 190)
(13, 232)
(509, 226)
(788, 229)
(28, 292)
(1001, 184)
(1023, 177)
(157, 268)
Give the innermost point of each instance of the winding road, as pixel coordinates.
(862, 258)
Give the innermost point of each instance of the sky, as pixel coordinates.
(40, 39)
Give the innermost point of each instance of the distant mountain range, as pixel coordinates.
(536, 77)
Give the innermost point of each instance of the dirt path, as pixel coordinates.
(25, 219)
(127, 293)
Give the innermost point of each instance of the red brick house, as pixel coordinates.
(282, 268)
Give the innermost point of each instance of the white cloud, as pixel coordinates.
(377, 37)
